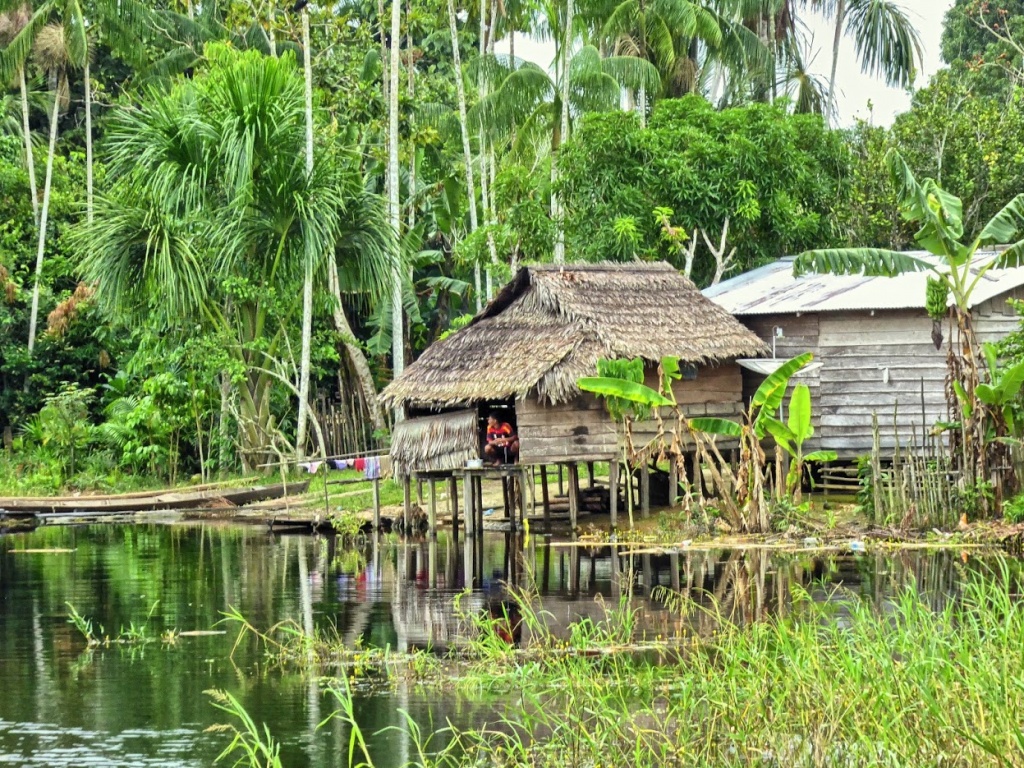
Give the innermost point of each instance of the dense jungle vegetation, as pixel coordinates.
(216, 213)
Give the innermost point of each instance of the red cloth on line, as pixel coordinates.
(359, 465)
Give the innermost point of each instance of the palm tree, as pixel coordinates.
(395, 210)
(12, 22)
(533, 112)
(887, 43)
(53, 55)
(467, 152)
(307, 273)
(652, 29)
(213, 217)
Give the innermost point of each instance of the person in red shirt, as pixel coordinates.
(502, 444)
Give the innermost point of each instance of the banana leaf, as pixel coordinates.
(715, 426)
(639, 394)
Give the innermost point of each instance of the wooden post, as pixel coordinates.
(561, 488)
(645, 490)
(432, 519)
(407, 501)
(613, 492)
(523, 475)
(698, 477)
(590, 474)
(673, 562)
(574, 495)
(479, 503)
(468, 498)
(506, 498)
(453, 502)
(673, 480)
(419, 491)
(432, 557)
(376, 504)
(545, 500)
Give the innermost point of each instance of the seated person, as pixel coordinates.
(502, 444)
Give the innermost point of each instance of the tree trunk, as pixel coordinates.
(30, 163)
(556, 202)
(467, 153)
(840, 18)
(43, 215)
(397, 322)
(308, 257)
(411, 75)
(88, 141)
(358, 366)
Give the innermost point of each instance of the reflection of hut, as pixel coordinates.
(547, 328)
(873, 340)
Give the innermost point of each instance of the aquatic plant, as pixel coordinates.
(250, 746)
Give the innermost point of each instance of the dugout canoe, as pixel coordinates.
(144, 502)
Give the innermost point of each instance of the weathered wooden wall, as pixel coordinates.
(872, 363)
(580, 430)
(716, 391)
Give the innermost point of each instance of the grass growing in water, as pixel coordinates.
(828, 684)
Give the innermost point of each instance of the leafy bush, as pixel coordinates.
(1013, 509)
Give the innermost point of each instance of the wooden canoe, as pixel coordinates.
(142, 502)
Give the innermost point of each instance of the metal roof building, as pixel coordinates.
(872, 338)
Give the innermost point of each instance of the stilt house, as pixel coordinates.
(522, 355)
(873, 341)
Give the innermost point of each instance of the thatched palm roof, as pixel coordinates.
(550, 325)
(434, 443)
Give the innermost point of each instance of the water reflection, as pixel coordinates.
(63, 705)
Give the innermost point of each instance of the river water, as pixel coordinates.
(64, 705)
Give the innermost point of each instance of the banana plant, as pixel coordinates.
(627, 399)
(748, 479)
(792, 435)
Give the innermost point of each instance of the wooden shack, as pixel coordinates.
(523, 354)
(872, 340)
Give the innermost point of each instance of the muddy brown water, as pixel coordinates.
(64, 705)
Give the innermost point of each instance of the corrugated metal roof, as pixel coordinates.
(772, 289)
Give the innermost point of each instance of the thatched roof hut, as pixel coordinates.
(551, 324)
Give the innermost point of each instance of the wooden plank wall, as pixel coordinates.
(717, 391)
(995, 318)
(580, 430)
(799, 335)
(877, 364)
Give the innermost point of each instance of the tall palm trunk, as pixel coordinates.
(43, 216)
(30, 163)
(397, 320)
(411, 85)
(308, 256)
(563, 135)
(88, 140)
(840, 18)
(467, 152)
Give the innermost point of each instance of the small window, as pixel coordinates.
(689, 371)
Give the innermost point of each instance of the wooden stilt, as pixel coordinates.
(432, 519)
(406, 501)
(613, 492)
(506, 498)
(673, 562)
(419, 491)
(432, 557)
(376, 504)
(453, 503)
(478, 488)
(673, 481)
(645, 490)
(469, 497)
(574, 495)
(698, 476)
(545, 500)
(523, 475)
(561, 486)
(590, 474)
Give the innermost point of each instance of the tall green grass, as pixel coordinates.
(837, 683)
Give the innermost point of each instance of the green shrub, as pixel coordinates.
(1013, 510)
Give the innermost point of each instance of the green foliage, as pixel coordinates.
(1013, 510)
(776, 176)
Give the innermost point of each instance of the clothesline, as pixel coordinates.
(358, 454)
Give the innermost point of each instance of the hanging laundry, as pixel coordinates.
(359, 465)
(373, 468)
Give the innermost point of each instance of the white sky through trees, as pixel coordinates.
(861, 95)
